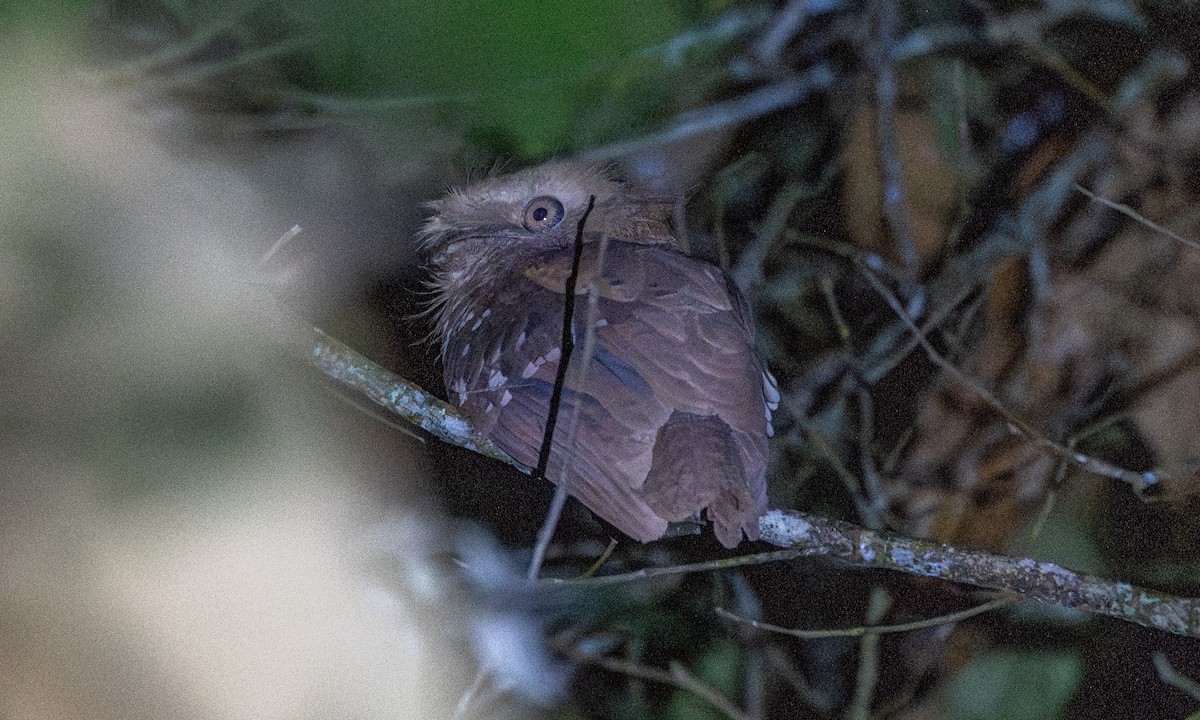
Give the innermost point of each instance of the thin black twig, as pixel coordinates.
(560, 380)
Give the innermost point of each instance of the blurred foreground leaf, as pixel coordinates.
(514, 65)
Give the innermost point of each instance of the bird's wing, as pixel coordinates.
(690, 337)
(671, 366)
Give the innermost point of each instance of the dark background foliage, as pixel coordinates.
(936, 143)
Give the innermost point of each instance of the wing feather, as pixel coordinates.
(670, 416)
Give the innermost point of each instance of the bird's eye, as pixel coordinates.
(542, 213)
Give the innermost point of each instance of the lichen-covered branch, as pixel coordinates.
(388, 390)
(802, 534)
(1034, 580)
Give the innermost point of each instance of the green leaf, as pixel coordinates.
(719, 667)
(513, 64)
(1015, 685)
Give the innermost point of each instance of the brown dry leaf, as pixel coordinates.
(1116, 314)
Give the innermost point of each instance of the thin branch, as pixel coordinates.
(867, 677)
(887, 88)
(567, 344)
(698, 687)
(784, 26)
(824, 447)
(1168, 674)
(1139, 481)
(677, 676)
(804, 535)
(721, 29)
(1135, 215)
(872, 629)
(472, 694)
(749, 271)
(175, 54)
(754, 104)
(754, 694)
(413, 404)
(1032, 579)
(278, 245)
(345, 105)
(783, 664)
(671, 570)
(874, 497)
(599, 563)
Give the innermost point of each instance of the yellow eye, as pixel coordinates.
(542, 213)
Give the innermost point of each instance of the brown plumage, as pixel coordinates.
(666, 409)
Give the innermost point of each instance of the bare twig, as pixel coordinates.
(784, 26)
(1135, 215)
(346, 105)
(824, 447)
(755, 683)
(825, 283)
(722, 29)
(887, 87)
(873, 629)
(1168, 674)
(872, 485)
(749, 270)
(411, 403)
(754, 104)
(599, 563)
(279, 244)
(677, 676)
(471, 696)
(867, 676)
(1139, 481)
(567, 344)
(1033, 580)
(174, 54)
(783, 665)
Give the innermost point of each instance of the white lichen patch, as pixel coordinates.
(782, 528)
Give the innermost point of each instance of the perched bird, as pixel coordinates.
(667, 406)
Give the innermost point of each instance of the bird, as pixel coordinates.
(666, 408)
